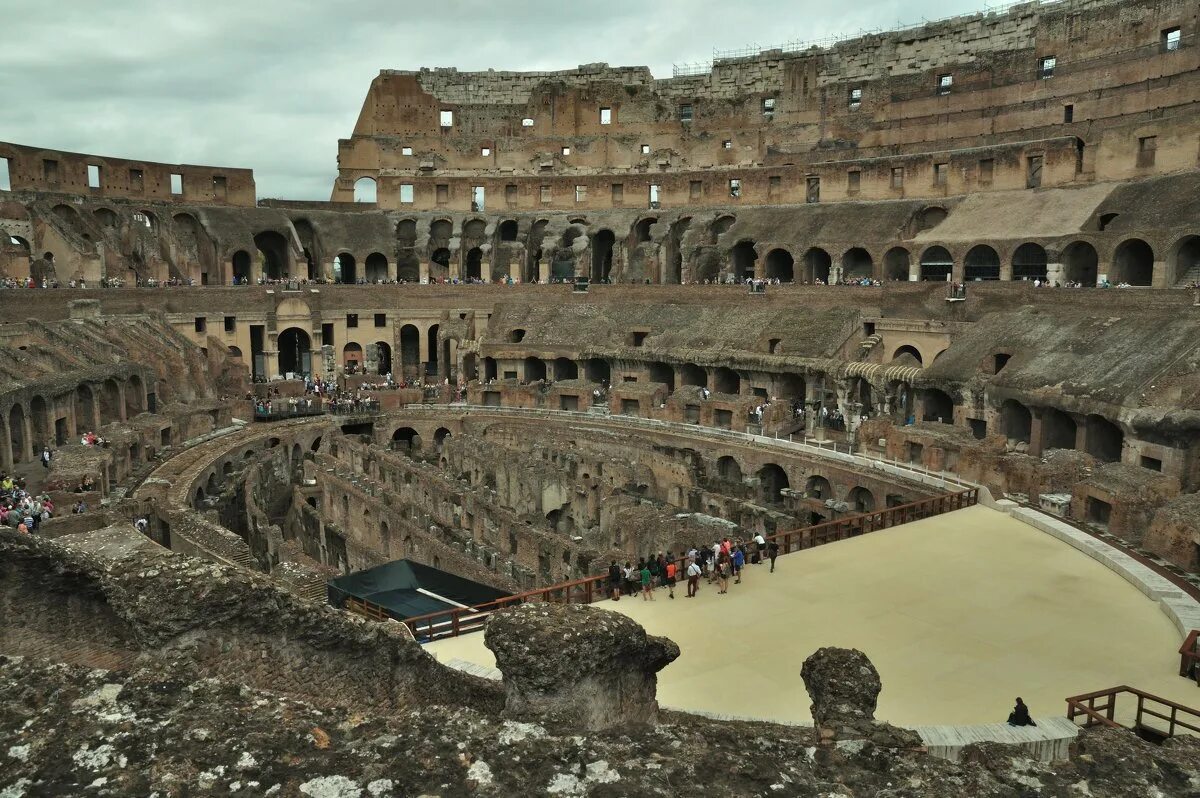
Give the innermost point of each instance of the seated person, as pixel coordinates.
(1020, 715)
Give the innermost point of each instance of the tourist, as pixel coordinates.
(738, 558)
(1020, 715)
(773, 552)
(693, 578)
(670, 577)
(614, 580)
(647, 585)
(46, 457)
(722, 572)
(632, 578)
(760, 546)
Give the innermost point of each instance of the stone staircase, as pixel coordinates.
(1191, 277)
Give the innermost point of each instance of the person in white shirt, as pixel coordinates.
(693, 576)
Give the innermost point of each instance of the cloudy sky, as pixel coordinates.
(272, 84)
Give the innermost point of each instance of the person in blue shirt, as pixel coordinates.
(739, 559)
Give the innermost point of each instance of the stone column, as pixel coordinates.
(6, 453)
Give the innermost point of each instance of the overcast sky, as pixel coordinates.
(272, 84)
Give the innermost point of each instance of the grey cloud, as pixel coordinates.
(272, 84)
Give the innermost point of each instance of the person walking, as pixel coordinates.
(773, 552)
(46, 457)
(647, 585)
(693, 578)
(670, 570)
(614, 581)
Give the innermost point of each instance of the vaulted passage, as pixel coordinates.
(779, 265)
(936, 264)
(1133, 263)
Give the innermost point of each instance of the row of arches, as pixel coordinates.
(773, 483)
(294, 346)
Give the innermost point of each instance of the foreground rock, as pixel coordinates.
(580, 666)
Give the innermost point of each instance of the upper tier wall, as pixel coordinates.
(870, 105)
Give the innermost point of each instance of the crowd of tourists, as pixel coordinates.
(716, 564)
(20, 508)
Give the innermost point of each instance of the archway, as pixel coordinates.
(726, 380)
(936, 264)
(818, 488)
(365, 189)
(1105, 440)
(907, 351)
(273, 253)
(1080, 264)
(440, 435)
(508, 230)
(474, 266)
(535, 369)
(896, 263)
(772, 481)
(377, 267)
(1133, 263)
(861, 500)
(41, 422)
(982, 263)
(410, 347)
(439, 264)
(383, 357)
(857, 264)
(135, 395)
(1016, 421)
(817, 264)
(352, 357)
(405, 439)
(691, 374)
(85, 410)
(662, 373)
(432, 342)
(744, 258)
(642, 229)
(1059, 430)
(1029, 262)
(596, 369)
(565, 369)
(1185, 265)
(728, 469)
(16, 432)
(295, 352)
(602, 255)
(345, 269)
(110, 401)
(241, 266)
(780, 265)
(937, 406)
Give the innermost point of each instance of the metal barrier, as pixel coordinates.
(1189, 657)
(1148, 706)
(460, 620)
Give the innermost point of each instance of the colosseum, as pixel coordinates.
(857, 385)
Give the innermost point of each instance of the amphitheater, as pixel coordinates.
(921, 308)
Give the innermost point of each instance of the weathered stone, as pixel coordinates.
(577, 665)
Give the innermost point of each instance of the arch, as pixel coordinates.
(1133, 263)
(937, 406)
(110, 401)
(440, 435)
(596, 369)
(1185, 259)
(106, 217)
(439, 264)
(410, 348)
(857, 264)
(535, 369)
(818, 487)
(1104, 440)
(780, 265)
(691, 374)
(728, 469)
(860, 500)
(982, 263)
(16, 432)
(273, 253)
(929, 218)
(1081, 264)
(135, 394)
(39, 416)
(198, 498)
(383, 357)
(295, 352)
(241, 266)
(365, 190)
(470, 367)
(602, 255)
(474, 266)
(662, 373)
(85, 410)
(345, 269)
(405, 439)
(772, 481)
(431, 340)
(352, 356)
(489, 369)
(896, 262)
(376, 267)
(726, 380)
(1059, 430)
(1016, 422)
(721, 225)
(936, 264)
(565, 369)
(817, 264)
(641, 230)
(508, 230)
(744, 257)
(910, 351)
(309, 246)
(1029, 262)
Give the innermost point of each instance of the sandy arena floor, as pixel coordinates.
(960, 614)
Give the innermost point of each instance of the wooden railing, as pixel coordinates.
(460, 620)
(1189, 657)
(1100, 709)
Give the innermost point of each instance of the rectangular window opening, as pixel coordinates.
(768, 105)
(1068, 113)
(606, 116)
(581, 193)
(1033, 171)
(136, 180)
(987, 171)
(220, 186)
(1046, 67)
(93, 176)
(176, 184)
(446, 118)
(618, 193)
(380, 319)
(940, 172)
(1152, 463)
(527, 122)
(855, 98)
(1171, 39)
(695, 189)
(230, 323)
(774, 185)
(5, 180)
(685, 112)
(812, 192)
(511, 194)
(735, 188)
(897, 177)
(351, 320)
(645, 149)
(406, 150)
(565, 151)
(406, 193)
(485, 152)
(478, 195)
(1147, 147)
(443, 193)
(654, 192)
(50, 170)
(853, 181)
(201, 324)
(944, 82)
(545, 194)
(727, 144)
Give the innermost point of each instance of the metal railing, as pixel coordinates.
(1189, 657)
(1100, 709)
(459, 620)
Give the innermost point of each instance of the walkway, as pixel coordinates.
(960, 614)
